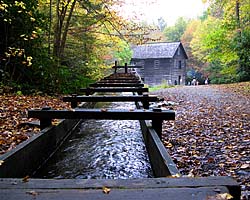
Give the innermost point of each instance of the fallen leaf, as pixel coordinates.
(214, 122)
(210, 160)
(245, 166)
(13, 112)
(106, 190)
(168, 144)
(26, 179)
(223, 196)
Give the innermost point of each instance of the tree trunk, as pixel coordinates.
(50, 23)
(58, 38)
(237, 12)
(66, 28)
(57, 30)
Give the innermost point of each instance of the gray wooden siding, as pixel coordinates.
(159, 70)
(167, 71)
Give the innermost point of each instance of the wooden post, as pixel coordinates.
(140, 93)
(87, 93)
(145, 102)
(74, 103)
(45, 122)
(115, 66)
(157, 124)
(126, 68)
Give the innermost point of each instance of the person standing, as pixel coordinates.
(206, 81)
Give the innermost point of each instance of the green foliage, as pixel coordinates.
(221, 41)
(70, 82)
(20, 28)
(92, 43)
(123, 54)
(211, 42)
(85, 54)
(204, 16)
(174, 33)
(243, 49)
(192, 73)
(19, 93)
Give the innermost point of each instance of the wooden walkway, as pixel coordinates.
(137, 189)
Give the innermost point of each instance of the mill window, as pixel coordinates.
(179, 64)
(156, 64)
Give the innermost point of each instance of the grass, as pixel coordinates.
(159, 87)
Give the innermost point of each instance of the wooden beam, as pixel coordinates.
(116, 85)
(184, 188)
(121, 78)
(151, 98)
(123, 75)
(102, 114)
(141, 183)
(47, 115)
(119, 81)
(129, 66)
(90, 90)
(145, 99)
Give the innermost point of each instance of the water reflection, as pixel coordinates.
(103, 149)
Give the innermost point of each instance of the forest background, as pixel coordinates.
(61, 46)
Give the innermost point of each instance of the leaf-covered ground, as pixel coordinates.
(13, 112)
(211, 133)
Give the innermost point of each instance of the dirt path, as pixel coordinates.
(211, 133)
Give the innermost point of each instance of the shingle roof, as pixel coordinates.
(155, 50)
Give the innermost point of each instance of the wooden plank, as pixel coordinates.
(122, 78)
(116, 85)
(163, 182)
(145, 99)
(114, 194)
(161, 162)
(113, 90)
(123, 75)
(118, 81)
(102, 114)
(133, 98)
(129, 66)
(29, 155)
(17, 189)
